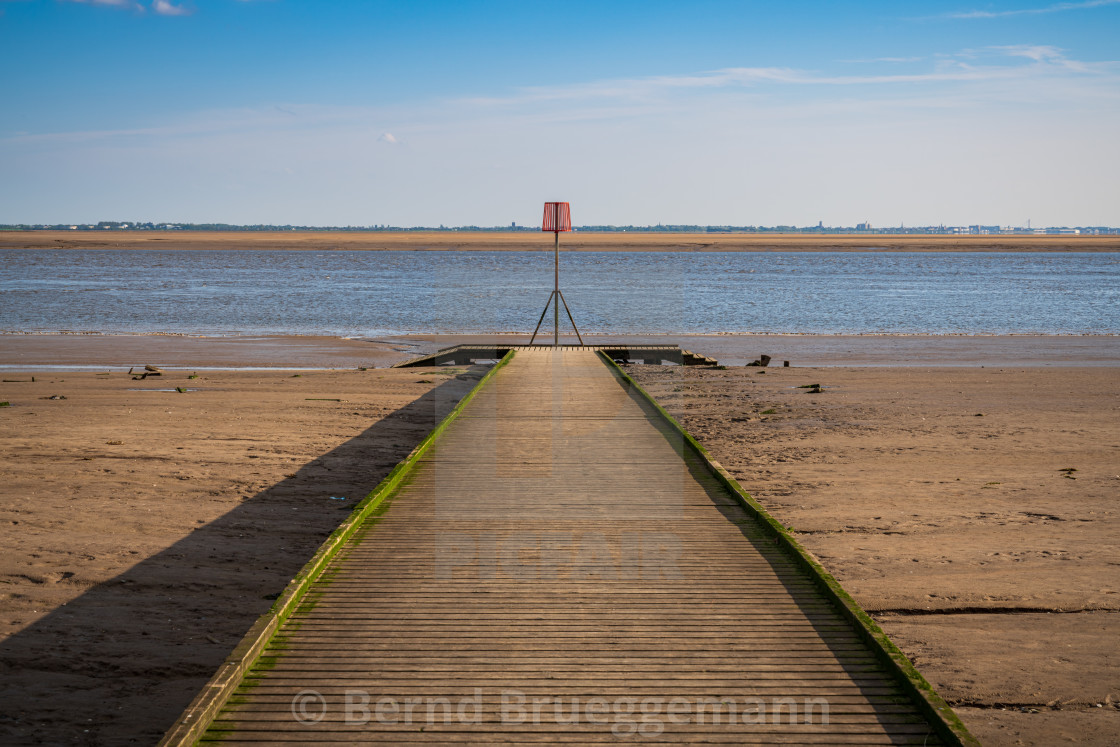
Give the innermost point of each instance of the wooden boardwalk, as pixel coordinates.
(559, 551)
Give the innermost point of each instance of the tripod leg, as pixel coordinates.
(573, 321)
(539, 321)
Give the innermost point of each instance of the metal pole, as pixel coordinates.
(556, 290)
(573, 321)
(543, 312)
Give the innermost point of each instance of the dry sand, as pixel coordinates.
(540, 241)
(143, 530)
(937, 497)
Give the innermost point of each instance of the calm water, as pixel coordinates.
(379, 293)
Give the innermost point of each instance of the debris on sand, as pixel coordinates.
(148, 371)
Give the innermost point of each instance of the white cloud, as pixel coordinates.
(1036, 52)
(993, 64)
(738, 145)
(1045, 55)
(1022, 73)
(886, 59)
(159, 7)
(111, 3)
(1055, 8)
(165, 8)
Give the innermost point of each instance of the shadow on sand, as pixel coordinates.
(119, 663)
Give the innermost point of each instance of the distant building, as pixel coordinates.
(865, 226)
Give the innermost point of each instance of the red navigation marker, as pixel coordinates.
(557, 218)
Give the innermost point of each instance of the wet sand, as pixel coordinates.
(144, 530)
(94, 352)
(540, 241)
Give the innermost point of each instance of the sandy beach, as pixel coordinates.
(145, 528)
(972, 511)
(577, 241)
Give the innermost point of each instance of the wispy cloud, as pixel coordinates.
(743, 145)
(1045, 55)
(998, 63)
(981, 79)
(110, 3)
(885, 59)
(159, 7)
(1055, 8)
(165, 8)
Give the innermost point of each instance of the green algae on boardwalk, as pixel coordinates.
(554, 444)
(935, 707)
(230, 677)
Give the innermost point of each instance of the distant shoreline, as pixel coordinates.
(528, 241)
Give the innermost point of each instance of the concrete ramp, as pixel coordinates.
(463, 355)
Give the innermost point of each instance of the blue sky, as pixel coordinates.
(421, 113)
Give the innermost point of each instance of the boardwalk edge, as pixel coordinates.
(202, 711)
(932, 705)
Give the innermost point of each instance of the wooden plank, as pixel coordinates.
(559, 542)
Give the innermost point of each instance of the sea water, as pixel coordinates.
(372, 293)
